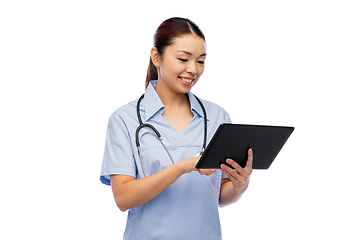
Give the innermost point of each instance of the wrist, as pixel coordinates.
(180, 167)
(242, 188)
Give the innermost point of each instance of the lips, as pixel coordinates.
(187, 81)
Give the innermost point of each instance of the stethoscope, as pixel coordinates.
(159, 135)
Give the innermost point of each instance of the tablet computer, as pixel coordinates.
(234, 140)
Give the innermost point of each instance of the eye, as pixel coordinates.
(182, 60)
(201, 62)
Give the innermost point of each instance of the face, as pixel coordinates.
(181, 64)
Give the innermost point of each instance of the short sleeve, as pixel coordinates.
(118, 154)
(226, 117)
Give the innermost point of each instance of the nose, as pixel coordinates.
(191, 68)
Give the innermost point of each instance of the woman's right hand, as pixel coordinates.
(188, 165)
(130, 192)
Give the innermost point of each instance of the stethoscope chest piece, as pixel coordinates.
(199, 153)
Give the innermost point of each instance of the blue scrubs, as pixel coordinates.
(188, 209)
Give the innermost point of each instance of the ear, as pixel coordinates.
(155, 58)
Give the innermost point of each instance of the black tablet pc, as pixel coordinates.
(234, 140)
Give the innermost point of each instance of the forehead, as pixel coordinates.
(190, 43)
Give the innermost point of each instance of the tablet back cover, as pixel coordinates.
(234, 140)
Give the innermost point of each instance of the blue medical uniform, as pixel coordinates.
(188, 209)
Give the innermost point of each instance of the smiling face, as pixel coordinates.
(182, 63)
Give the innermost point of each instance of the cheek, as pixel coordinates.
(200, 70)
(172, 68)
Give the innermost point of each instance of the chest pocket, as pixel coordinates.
(181, 146)
(153, 154)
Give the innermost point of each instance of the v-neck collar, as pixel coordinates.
(153, 103)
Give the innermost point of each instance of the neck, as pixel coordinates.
(170, 98)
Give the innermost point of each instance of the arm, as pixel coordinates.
(237, 182)
(228, 194)
(129, 193)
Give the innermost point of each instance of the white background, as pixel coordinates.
(65, 66)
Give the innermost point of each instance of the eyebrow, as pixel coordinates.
(186, 52)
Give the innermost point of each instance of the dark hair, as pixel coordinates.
(164, 36)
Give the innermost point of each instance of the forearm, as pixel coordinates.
(229, 195)
(137, 192)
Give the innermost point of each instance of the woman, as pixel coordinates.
(167, 197)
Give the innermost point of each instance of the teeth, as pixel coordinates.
(187, 80)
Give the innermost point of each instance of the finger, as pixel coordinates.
(210, 171)
(229, 171)
(233, 176)
(243, 172)
(206, 172)
(250, 160)
(235, 165)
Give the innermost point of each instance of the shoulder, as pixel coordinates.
(215, 113)
(211, 106)
(125, 114)
(214, 109)
(125, 110)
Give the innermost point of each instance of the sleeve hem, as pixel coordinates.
(105, 177)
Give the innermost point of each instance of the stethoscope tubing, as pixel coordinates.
(158, 133)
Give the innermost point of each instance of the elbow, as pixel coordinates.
(121, 205)
(222, 204)
(123, 209)
(122, 194)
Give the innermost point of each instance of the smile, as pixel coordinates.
(188, 80)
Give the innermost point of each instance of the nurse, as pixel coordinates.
(167, 197)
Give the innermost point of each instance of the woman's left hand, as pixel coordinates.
(239, 176)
